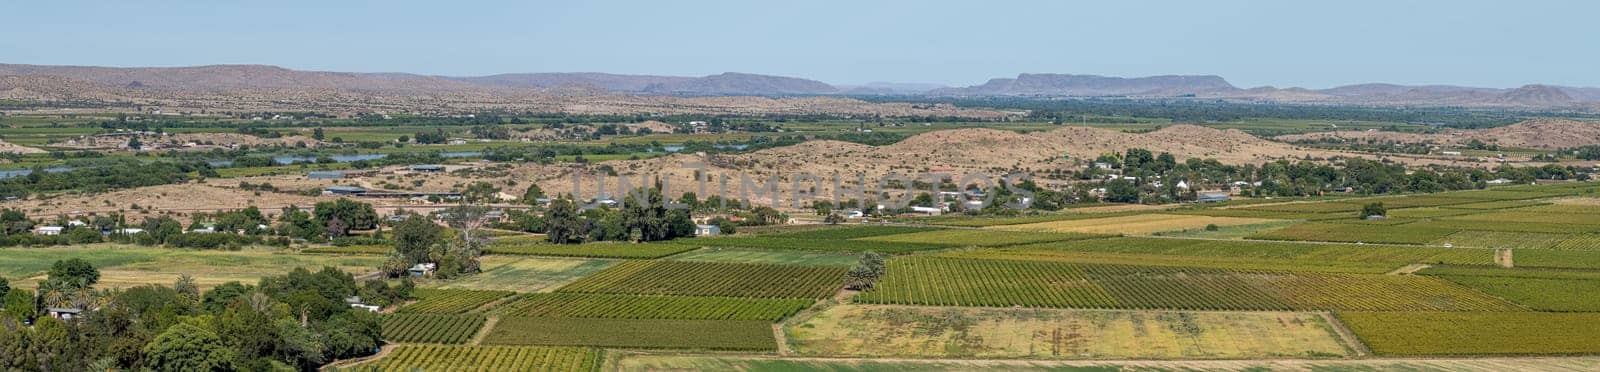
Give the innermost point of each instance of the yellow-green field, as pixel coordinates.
(526, 274)
(954, 332)
(673, 362)
(127, 266)
(1133, 225)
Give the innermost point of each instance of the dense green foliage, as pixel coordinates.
(298, 320)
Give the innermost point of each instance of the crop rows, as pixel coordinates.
(1497, 205)
(1509, 226)
(1532, 217)
(1299, 256)
(1535, 293)
(573, 305)
(1319, 207)
(631, 333)
(982, 238)
(976, 282)
(597, 250)
(853, 232)
(1580, 242)
(353, 249)
(712, 279)
(1503, 194)
(1502, 239)
(426, 328)
(1415, 233)
(451, 301)
(406, 358)
(840, 245)
(1434, 333)
(1561, 208)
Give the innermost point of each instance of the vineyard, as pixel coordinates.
(997, 283)
(450, 301)
(426, 328)
(353, 249)
(595, 250)
(1134, 224)
(635, 333)
(1425, 333)
(840, 245)
(407, 358)
(979, 238)
(1415, 233)
(572, 305)
(1240, 255)
(1151, 282)
(712, 279)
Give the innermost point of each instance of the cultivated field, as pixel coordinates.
(929, 332)
(407, 358)
(526, 274)
(1132, 225)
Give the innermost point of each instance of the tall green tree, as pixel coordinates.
(75, 269)
(185, 347)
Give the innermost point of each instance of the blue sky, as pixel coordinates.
(1251, 43)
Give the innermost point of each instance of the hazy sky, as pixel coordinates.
(1251, 43)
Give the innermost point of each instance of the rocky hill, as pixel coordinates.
(1537, 133)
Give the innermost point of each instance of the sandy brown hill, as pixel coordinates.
(1536, 133)
(55, 89)
(957, 152)
(1542, 133)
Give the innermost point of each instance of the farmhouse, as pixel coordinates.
(65, 313)
(430, 168)
(325, 175)
(343, 190)
(707, 230)
(422, 269)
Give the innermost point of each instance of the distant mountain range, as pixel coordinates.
(121, 81)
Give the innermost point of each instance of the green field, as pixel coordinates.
(1416, 233)
(596, 250)
(128, 266)
(1263, 255)
(526, 274)
(713, 279)
(930, 332)
(450, 301)
(768, 256)
(1001, 283)
(406, 358)
(433, 329)
(634, 333)
(573, 305)
(1465, 333)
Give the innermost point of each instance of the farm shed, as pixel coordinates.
(325, 175)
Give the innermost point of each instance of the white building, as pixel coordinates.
(707, 230)
(48, 230)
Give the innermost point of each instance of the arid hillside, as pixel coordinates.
(1538, 133)
(955, 152)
